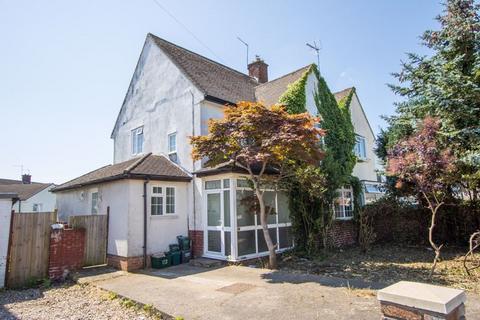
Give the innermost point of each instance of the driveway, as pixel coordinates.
(237, 292)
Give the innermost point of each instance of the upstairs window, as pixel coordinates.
(137, 140)
(321, 143)
(172, 146)
(360, 149)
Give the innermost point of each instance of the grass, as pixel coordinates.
(389, 264)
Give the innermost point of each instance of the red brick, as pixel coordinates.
(66, 252)
(197, 242)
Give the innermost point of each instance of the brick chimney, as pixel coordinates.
(259, 70)
(26, 179)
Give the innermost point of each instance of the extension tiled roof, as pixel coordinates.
(213, 78)
(270, 92)
(24, 191)
(156, 167)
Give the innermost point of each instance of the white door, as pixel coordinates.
(214, 235)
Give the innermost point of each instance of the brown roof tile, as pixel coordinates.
(157, 167)
(342, 94)
(270, 92)
(213, 78)
(24, 191)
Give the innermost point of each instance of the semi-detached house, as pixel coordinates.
(155, 190)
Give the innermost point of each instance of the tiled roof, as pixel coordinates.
(213, 78)
(226, 84)
(154, 166)
(24, 191)
(270, 92)
(342, 94)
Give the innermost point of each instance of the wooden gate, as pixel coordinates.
(96, 236)
(29, 247)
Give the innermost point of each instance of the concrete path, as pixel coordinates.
(236, 292)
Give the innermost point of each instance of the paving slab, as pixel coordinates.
(237, 292)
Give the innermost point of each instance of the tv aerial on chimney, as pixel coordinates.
(317, 49)
(246, 45)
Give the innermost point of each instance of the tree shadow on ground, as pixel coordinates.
(383, 264)
(12, 296)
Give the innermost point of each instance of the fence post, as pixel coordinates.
(9, 244)
(106, 242)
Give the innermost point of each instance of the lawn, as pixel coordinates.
(388, 264)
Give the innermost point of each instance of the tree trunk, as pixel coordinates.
(436, 248)
(272, 257)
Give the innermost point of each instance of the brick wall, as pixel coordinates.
(66, 252)
(197, 242)
(126, 263)
(343, 233)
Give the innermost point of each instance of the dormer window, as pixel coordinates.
(137, 140)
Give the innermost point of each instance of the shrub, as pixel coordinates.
(366, 231)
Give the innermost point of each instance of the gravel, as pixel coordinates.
(71, 301)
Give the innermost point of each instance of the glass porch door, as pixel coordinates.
(215, 244)
(218, 235)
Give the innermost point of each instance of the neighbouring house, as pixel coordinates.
(32, 196)
(155, 190)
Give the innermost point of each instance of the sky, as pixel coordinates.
(66, 65)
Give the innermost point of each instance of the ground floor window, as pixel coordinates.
(343, 206)
(162, 201)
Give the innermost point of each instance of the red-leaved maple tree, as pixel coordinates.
(420, 161)
(266, 142)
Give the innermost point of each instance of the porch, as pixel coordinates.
(232, 229)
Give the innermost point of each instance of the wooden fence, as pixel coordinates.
(96, 236)
(29, 247)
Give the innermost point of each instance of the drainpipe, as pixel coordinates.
(193, 167)
(145, 222)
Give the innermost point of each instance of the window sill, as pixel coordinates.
(344, 218)
(164, 216)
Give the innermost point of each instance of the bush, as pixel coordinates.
(402, 222)
(366, 231)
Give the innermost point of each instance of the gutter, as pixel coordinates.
(218, 100)
(120, 177)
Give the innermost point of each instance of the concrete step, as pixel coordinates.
(206, 263)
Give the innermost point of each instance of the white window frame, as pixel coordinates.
(157, 195)
(163, 196)
(357, 149)
(94, 210)
(174, 200)
(341, 196)
(174, 150)
(136, 147)
(37, 207)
